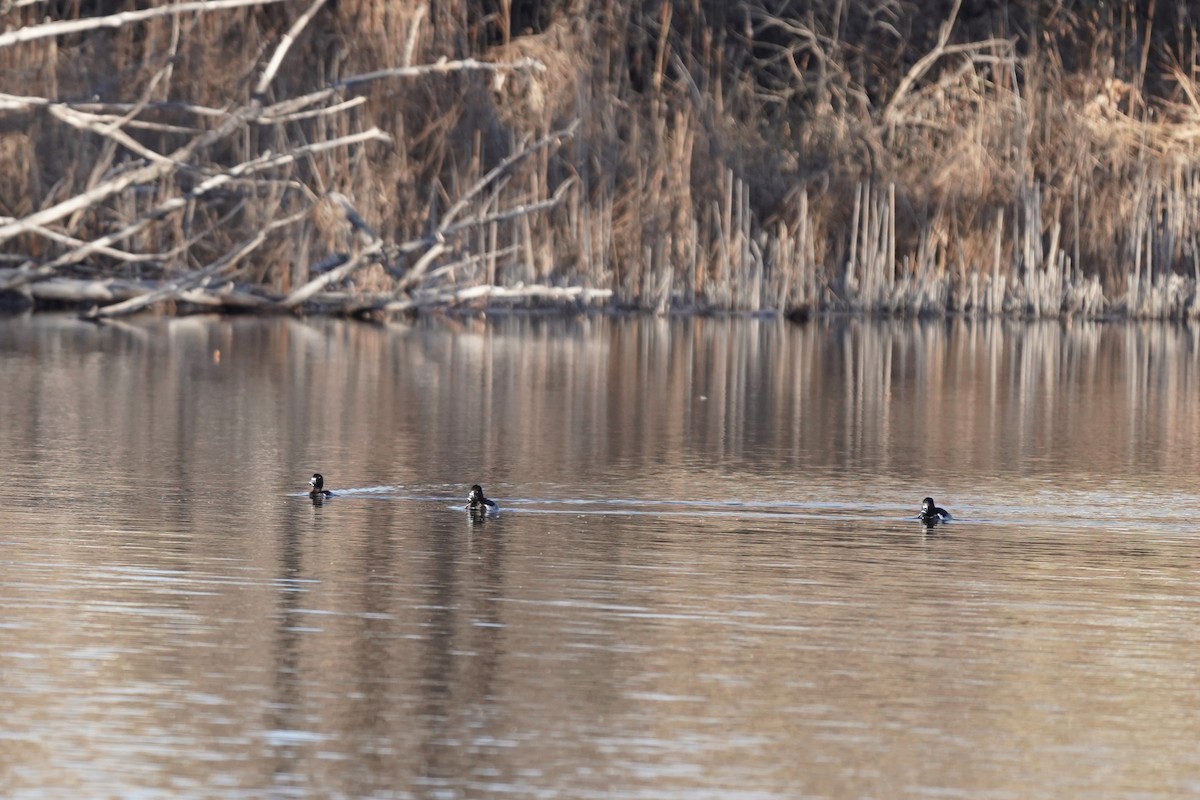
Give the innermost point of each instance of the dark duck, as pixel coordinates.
(478, 504)
(931, 514)
(317, 482)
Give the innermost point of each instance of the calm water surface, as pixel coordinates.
(706, 581)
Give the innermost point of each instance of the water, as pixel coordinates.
(706, 580)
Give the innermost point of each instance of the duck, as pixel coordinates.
(478, 504)
(317, 482)
(931, 514)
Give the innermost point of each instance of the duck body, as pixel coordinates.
(317, 482)
(478, 504)
(931, 514)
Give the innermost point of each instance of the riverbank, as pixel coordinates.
(367, 160)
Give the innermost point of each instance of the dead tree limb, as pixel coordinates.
(926, 62)
(158, 169)
(193, 279)
(240, 171)
(107, 129)
(504, 167)
(434, 244)
(32, 33)
(512, 294)
(442, 67)
(511, 213)
(417, 273)
(285, 44)
(303, 293)
(110, 252)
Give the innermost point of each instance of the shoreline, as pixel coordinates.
(84, 300)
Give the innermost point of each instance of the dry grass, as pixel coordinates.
(751, 157)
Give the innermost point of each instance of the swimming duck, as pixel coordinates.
(930, 513)
(317, 482)
(478, 504)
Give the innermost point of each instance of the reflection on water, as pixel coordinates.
(706, 580)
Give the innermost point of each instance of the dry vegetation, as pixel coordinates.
(370, 158)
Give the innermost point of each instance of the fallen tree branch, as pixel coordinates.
(166, 105)
(227, 297)
(303, 293)
(111, 252)
(270, 118)
(117, 137)
(435, 242)
(285, 44)
(279, 111)
(512, 294)
(413, 276)
(352, 304)
(441, 67)
(46, 30)
(417, 273)
(505, 166)
(79, 291)
(264, 162)
(83, 121)
(139, 175)
(182, 285)
(511, 213)
(148, 174)
(446, 269)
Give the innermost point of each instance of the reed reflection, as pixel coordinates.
(590, 406)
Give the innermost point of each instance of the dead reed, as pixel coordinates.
(374, 158)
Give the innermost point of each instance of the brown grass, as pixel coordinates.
(753, 156)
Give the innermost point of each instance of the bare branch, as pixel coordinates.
(285, 44)
(435, 243)
(510, 213)
(194, 278)
(520, 293)
(270, 118)
(303, 293)
(242, 170)
(926, 62)
(441, 67)
(83, 121)
(503, 167)
(63, 27)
